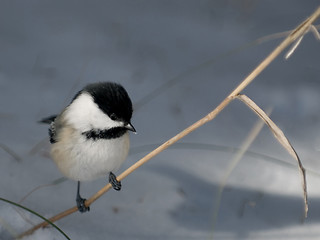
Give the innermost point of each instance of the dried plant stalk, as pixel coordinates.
(231, 166)
(295, 34)
(10, 152)
(279, 135)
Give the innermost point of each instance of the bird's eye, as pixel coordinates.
(113, 116)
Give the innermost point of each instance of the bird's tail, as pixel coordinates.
(48, 120)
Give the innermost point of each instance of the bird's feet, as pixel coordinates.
(114, 182)
(81, 204)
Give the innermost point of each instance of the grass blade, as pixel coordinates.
(279, 135)
(35, 213)
(235, 161)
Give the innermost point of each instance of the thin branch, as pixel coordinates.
(296, 33)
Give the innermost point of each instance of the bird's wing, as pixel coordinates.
(52, 133)
(52, 129)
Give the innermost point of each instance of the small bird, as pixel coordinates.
(89, 138)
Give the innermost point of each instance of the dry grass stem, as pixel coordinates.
(315, 32)
(55, 182)
(279, 135)
(238, 156)
(10, 152)
(312, 29)
(295, 34)
(293, 48)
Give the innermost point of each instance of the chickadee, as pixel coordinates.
(90, 136)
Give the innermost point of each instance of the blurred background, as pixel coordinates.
(178, 60)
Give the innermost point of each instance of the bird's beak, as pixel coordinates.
(130, 127)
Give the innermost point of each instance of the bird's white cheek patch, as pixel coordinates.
(84, 114)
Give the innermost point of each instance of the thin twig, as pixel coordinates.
(296, 33)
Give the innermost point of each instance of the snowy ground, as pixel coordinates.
(51, 49)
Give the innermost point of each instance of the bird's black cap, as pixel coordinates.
(112, 99)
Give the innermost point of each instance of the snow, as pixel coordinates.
(51, 49)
